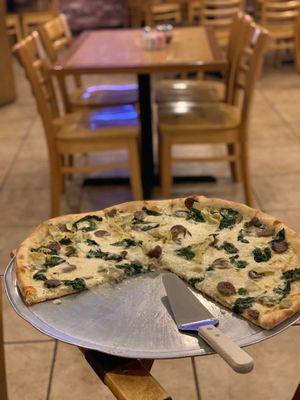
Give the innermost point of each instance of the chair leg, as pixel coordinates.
(234, 167)
(56, 189)
(135, 170)
(246, 175)
(166, 166)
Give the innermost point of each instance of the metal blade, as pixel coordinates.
(188, 311)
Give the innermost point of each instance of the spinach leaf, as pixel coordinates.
(262, 255)
(104, 255)
(241, 237)
(242, 303)
(53, 261)
(151, 212)
(242, 291)
(185, 252)
(149, 227)
(87, 223)
(241, 264)
(292, 275)
(77, 283)
(133, 268)
(126, 243)
(91, 242)
(39, 276)
(65, 241)
(229, 247)
(229, 218)
(280, 235)
(195, 215)
(194, 281)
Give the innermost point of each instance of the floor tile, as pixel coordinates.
(8, 151)
(82, 383)
(28, 368)
(277, 191)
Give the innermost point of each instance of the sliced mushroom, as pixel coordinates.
(189, 202)
(69, 268)
(70, 251)
(180, 213)
(265, 232)
(221, 263)
(215, 241)
(178, 230)
(226, 288)
(139, 215)
(255, 275)
(279, 246)
(124, 253)
(254, 314)
(111, 213)
(52, 283)
(155, 252)
(101, 233)
(253, 222)
(53, 246)
(268, 301)
(63, 228)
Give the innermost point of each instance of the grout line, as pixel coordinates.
(51, 371)
(196, 380)
(7, 343)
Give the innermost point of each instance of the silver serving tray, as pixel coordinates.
(131, 319)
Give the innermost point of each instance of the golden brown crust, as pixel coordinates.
(267, 320)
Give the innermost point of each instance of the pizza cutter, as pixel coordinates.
(191, 315)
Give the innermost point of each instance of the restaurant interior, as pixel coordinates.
(107, 101)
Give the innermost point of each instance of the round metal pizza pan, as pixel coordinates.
(131, 319)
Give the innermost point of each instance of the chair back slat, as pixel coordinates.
(56, 36)
(279, 12)
(32, 59)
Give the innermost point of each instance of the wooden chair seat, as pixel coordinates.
(104, 95)
(194, 118)
(107, 123)
(169, 90)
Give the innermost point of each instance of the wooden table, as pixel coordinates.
(121, 51)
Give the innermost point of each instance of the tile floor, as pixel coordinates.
(39, 368)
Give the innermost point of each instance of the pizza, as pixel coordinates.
(238, 256)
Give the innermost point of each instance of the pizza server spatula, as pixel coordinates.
(191, 315)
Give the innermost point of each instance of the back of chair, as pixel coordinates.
(194, 11)
(156, 12)
(30, 55)
(248, 68)
(219, 14)
(56, 36)
(279, 12)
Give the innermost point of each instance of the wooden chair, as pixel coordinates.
(219, 14)
(31, 20)
(13, 26)
(56, 37)
(80, 132)
(194, 11)
(215, 123)
(208, 91)
(280, 17)
(3, 386)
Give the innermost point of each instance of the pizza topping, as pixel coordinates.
(238, 263)
(65, 241)
(220, 263)
(54, 247)
(254, 222)
(278, 244)
(285, 303)
(242, 303)
(261, 255)
(63, 228)
(133, 268)
(226, 288)
(195, 215)
(70, 251)
(111, 213)
(178, 230)
(180, 213)
(229, 218)
(268, 301)
(195, 281)
(241, 237)
(139, 215)
(87, 223)
(53, 261)
(104, 255)
(39, 276)
(126, 243)
(265, 232)
(255, 275)
(155, 252)
(52, 283)
(189, 202)
(69, 268)
(242, 291)
(151, 212)
(76, 284)
(101, 233)
(229, 247)
(215, 240)
(254, 314)
(146, 228)
(186, 252)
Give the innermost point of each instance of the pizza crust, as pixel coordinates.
(267, 320)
